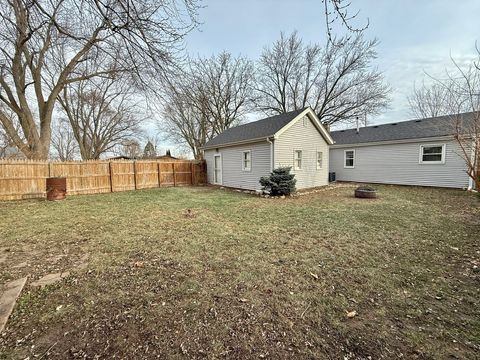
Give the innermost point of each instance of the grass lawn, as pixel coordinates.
(245, 277)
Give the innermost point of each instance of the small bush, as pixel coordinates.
(280, 182)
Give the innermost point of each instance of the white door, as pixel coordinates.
(217, 169)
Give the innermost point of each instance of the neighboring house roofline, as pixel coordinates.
(445, 125)
(391, 142)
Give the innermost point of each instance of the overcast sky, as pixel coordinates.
(415, 36)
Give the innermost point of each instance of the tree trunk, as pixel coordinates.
(40, 150)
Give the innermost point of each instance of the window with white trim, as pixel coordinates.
(247, 160)
(349, 159)
(297, 162)
(319, 160)
(432, 154)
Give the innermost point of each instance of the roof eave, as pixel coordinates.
(233, 143)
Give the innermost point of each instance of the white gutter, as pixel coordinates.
(248, 141)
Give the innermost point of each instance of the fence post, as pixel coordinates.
(111, 175)
(159, 175)
(134, 174)
(174, 175)
(192, 169)
(49, 169)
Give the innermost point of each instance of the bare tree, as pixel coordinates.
(5, 144)
(144, 35)
(64, 144)
(225, 84)
(462, 86)
(129, 148)
(429, 101)
(101, 112)
(185, 121)
(7, 147)
(212, 95)
(336, 81)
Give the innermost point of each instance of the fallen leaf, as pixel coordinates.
(351, 314)
(314, 276)
(58, 307)
(243, 300)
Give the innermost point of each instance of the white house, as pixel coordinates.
(239, 156)
(416, 152)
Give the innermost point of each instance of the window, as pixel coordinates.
(432, 154)
(247, 160)
(349, 159)
(297, 163)
(319, 160)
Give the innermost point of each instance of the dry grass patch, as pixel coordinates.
(206, 273)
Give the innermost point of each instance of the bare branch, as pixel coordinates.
(337, 10)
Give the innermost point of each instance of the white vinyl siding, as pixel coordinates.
(399, 164)
(233, 174)
(304, 136)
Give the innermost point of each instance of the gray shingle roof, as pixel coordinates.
(412, 129)
(254, 130)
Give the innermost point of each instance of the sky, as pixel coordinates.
(416, 37)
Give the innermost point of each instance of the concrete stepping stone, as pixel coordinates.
(11, 291)
(50, 279)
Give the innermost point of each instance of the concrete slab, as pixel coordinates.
(50, 279)
(11, 291)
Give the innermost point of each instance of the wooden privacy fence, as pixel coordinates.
(25, 179)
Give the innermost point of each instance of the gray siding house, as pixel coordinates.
(417, 152)
(239, 156)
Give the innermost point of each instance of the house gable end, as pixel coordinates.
(314, 119)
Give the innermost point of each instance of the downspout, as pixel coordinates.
(272, 160)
